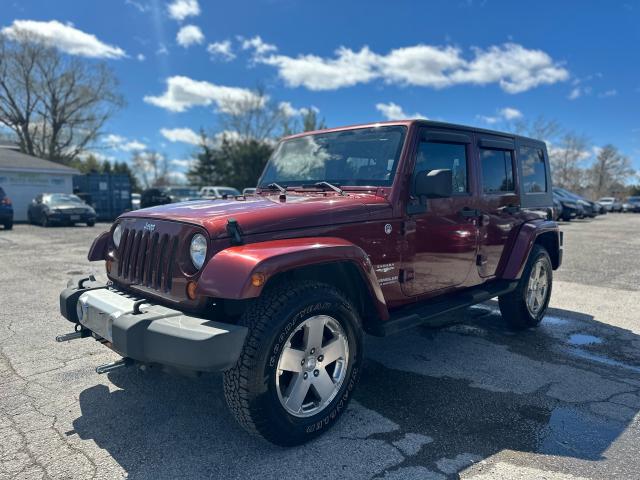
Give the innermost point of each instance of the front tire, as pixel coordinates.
(300, 363)
(525, 306)
(8, 225)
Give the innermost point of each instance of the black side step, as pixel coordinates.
(414, 315)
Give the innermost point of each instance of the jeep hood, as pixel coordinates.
(267, 213)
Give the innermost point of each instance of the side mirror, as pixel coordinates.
(434, 184)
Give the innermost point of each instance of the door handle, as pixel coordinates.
(512, 208)
(470, 212)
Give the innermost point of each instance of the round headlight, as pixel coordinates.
(198, 250)
(117, 235)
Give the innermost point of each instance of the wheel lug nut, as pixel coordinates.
(302, 362)
(320, 358)
(316, 373)
(313, 350)
(305, 376)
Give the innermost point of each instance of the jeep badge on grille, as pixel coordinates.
(149, 226)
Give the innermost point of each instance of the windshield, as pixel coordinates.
(365, 156)
(63, 199)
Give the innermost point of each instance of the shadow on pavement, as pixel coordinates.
(433, 400)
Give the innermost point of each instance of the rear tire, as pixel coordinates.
(8, 225)
(295, 375)
(525, 306)
(91, 223)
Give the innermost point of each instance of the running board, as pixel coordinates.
(414, 315)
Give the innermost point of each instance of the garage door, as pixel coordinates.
(22, 187)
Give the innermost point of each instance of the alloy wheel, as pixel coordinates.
(312, 366)
(537, 288)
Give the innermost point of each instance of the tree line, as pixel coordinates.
(57, 107)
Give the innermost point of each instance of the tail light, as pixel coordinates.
(6, 201)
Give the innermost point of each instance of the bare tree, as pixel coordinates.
(252, 117)
(55, 105)
(610, 171)
(152, 168)
(565, 161)
(541, 129)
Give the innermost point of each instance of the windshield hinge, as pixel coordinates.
(233, 229)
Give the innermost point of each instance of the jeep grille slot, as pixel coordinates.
(147, 258)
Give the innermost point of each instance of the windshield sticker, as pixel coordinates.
(385, 267)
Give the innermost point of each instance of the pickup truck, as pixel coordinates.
(363, 229)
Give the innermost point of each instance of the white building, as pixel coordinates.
(23, 177)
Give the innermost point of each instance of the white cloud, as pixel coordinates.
(503, 114)
(162, 49)
(257, 45)
(65, 38)
(509, 113)
(183, 93)
(189, 35)
(118, 142)
(140, 57)
(141, 7)
(185, 135)
(221, 50)
(575, 93)
(181, 9)
(609, 93)
(393, 111)
(289, 110)
(579, 91)
(514, 68)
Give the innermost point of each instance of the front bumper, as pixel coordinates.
(150, 333)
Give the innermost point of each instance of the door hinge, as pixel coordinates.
(481, 260)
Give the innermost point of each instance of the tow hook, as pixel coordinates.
(73, 335)
(110, 367)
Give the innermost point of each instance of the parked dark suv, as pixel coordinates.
(373, 228)
(6, 210)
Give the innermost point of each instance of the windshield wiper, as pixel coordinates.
(275, 186)
(331, 186)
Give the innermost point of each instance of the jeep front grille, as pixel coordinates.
(147, 258)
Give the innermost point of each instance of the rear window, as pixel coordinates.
(2, 194)
(497, 171)
(534, 170)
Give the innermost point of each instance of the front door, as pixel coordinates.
(442, 234)
(499, 200)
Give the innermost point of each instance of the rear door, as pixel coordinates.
(441, 233)
(501, 211)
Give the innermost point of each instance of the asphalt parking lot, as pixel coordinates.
(472, 400)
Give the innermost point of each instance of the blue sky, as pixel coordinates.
(476, 62)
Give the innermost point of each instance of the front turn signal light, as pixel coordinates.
(258, 279)
(191, 290)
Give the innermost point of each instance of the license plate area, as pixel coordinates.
(98, 309)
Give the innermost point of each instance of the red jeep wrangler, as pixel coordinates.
(372, 228)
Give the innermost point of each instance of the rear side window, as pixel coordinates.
(534, 170)
(1, 192)
(497, 171)
(452, 156)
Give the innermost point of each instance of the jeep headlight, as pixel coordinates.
(198, 250)
(117, 235)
